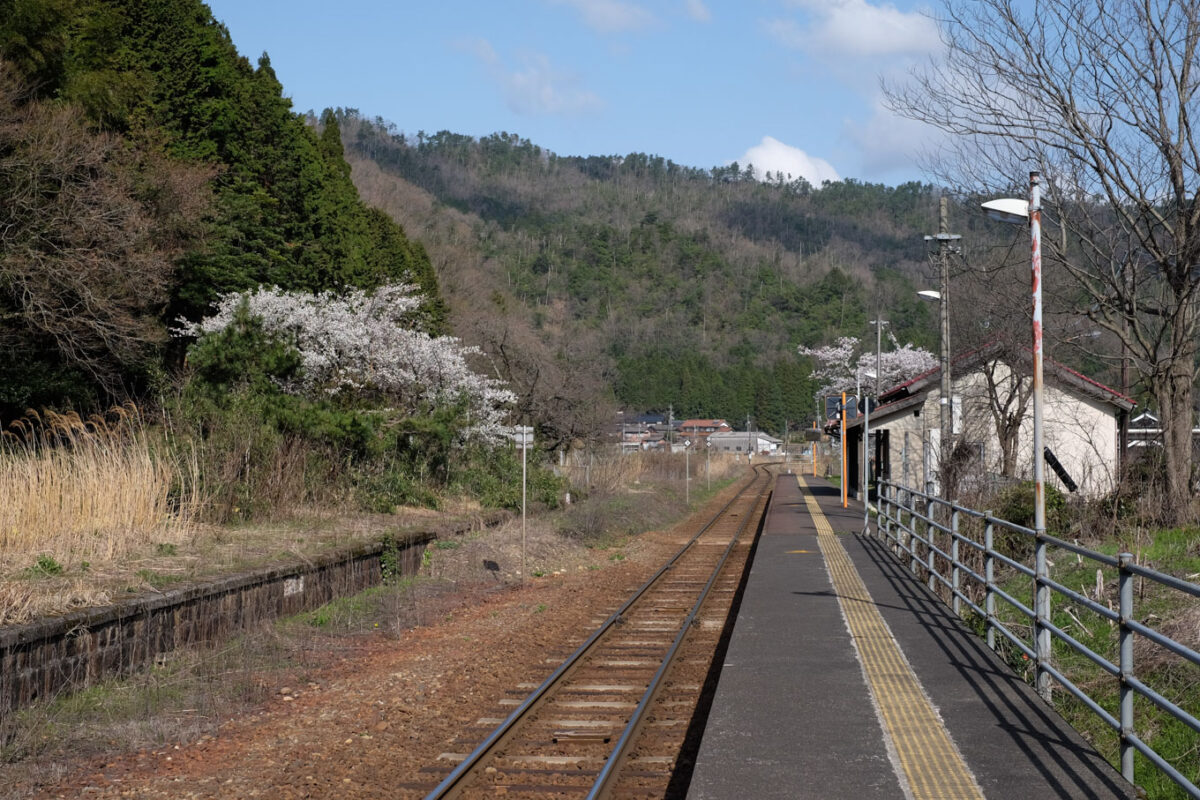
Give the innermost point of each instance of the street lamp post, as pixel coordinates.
(943, 238)
(866, 465)
(878, 322)
(943, 423)
(1018, 211)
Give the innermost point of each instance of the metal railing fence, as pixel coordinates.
(962, 567)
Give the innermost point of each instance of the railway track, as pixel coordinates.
(611, 720)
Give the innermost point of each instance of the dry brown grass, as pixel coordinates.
(608, 471)
(22, 601)
(1183, 628)
(91, 490)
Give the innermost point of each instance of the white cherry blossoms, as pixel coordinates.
(365, 343)
(837, 369)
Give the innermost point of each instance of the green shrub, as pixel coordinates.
(44, 567)
(490, 474)
(493, 476)
(381, 488)
(1015, 505)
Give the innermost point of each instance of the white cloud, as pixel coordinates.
(772, 155)
(853, 45)
(788, 32)
(610, 16)
(889, 143)
(856, 28)
(480, 48)
(538, 88)
(534, 87)
(698, 11)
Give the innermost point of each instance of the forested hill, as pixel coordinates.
(147, 168)
(678, 286)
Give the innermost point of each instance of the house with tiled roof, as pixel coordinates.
(697, 430)
(743, 443)
(992, 426)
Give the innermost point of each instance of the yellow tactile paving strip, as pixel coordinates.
(932, 765)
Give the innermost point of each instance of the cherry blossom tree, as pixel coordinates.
(365, 344)
(839, 366)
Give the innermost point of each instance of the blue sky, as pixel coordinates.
(790, 85)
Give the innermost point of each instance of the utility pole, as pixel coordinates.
(707, 462)
(878, 322)
(944, 238)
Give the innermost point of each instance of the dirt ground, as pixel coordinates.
(368, 712)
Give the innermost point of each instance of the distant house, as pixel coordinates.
(992, 426)
(634, 435)
(1145, 432)
(743, 442)
(655, 441)
(697, 430)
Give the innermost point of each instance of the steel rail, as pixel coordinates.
(604, 781)
(454, 781)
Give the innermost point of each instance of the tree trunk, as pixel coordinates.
(1174, 391)
(1007, 435)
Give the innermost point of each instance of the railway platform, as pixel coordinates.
(845, 678)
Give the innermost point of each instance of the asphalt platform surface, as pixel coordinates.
(793, 716)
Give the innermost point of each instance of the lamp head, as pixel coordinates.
(1007, 209)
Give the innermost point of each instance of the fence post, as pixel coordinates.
(882, 522)
(914, 517)
(1126, 664)
(929, 539)
(989, 574)
(955, 574)
(1041, 608)
(893, 511)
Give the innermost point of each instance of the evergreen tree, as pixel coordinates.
(165, 77)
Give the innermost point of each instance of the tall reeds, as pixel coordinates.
(81, 490)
